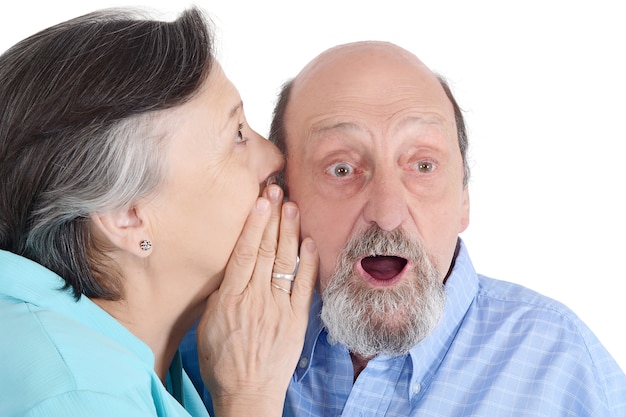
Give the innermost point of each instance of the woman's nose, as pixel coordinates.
(271, 160)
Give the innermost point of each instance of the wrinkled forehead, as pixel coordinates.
(373, 73)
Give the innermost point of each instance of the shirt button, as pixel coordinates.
(416, 389)
(303, 362)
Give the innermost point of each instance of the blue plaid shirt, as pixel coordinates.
(499, 350)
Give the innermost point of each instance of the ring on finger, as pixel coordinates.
(278, 287)
(288, 277)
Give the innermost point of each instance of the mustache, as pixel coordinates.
(375, 241)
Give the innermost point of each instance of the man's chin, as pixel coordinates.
(370, 332)
(370, 350)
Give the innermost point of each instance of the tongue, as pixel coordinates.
(383, 267)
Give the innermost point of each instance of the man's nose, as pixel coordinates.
(387, 204)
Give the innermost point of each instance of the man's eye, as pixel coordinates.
(340, 170)
(425, 166)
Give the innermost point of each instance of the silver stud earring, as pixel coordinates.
(145, 244)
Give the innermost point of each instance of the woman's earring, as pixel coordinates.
(145, 244)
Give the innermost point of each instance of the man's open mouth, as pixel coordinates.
(383, 268)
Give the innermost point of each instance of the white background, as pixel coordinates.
(542, 84)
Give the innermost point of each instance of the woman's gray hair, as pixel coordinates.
(79, 110)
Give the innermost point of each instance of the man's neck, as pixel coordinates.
(359, 363)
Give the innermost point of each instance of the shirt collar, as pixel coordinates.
(312, 335)
(461, 287)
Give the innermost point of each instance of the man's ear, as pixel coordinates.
(465, 210)
(125, 230)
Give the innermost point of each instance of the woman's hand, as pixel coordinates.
(252, 332)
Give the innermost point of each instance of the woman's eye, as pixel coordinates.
(340, 170)
(240, 138)
(425, 166)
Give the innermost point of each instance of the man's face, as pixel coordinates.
(372, 143)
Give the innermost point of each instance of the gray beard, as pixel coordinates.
(369, 321)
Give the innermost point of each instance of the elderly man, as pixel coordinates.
(402, 324)
(376, 160)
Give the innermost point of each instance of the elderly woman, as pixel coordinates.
(132, 204)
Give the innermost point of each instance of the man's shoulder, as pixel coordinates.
(514, 310)
(504, 296)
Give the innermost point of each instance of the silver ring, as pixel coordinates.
(288, 277)
(278, 287)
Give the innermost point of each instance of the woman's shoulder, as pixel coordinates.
(48, 354)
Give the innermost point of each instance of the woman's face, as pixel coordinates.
(214, 171)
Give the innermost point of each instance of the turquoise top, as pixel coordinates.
(62, 357)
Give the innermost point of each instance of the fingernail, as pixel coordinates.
(262, 205)
(274, 193)
(310, 245)
(290, 211)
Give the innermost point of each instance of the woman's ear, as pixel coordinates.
(125, 229)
